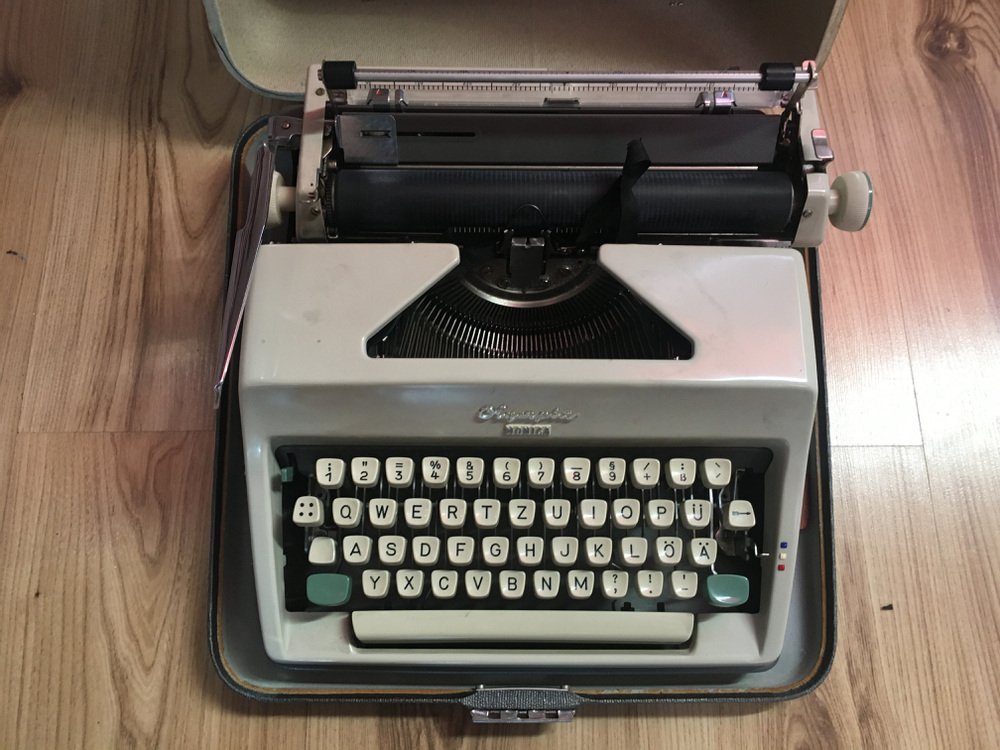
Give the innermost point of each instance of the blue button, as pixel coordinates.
(784, 545)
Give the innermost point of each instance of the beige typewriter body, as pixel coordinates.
(305, 376)
(320, 293)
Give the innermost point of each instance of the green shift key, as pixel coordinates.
(328, 589)
(727, 590)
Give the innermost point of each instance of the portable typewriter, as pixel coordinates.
(528, 371)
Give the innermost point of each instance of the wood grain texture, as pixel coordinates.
(132, 117)
(117, 120)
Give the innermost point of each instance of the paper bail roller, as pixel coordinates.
(747, 202)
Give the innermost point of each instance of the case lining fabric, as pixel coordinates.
(270, 43)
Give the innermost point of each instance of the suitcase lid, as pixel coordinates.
(269, 45)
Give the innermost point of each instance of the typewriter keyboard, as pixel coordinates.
(567, 546)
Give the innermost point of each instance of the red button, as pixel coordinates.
(781, 567)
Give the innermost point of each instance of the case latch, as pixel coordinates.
(513, 705)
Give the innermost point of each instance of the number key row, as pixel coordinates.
(541, 473)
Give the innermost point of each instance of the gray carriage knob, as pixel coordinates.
(851, 201)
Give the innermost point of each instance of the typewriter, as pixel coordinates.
(527, 372)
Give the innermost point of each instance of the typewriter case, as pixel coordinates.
(269, 47)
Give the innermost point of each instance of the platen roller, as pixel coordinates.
(746, 202)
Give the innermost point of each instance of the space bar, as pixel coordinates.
(457, 626)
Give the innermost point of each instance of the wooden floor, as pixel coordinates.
(116, 124)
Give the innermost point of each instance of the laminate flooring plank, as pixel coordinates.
(946, 83)
(871, 391)
(140, 140)
(912, 570)
(28, 158)
(929, 110)
(104, 591)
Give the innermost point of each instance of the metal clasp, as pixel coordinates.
(486, 716)
(512, 705)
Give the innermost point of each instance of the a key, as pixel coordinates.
(452, 512)
(323, 551)
(461, 549)
(650, 583)
(716, 473)
(391, 549)
(529, 550)
(436, 626)
(444, 584)
(660, 513)
(702, 552)
(410, 583)
(496, 550)
(382, 513)
(669, 549)
(580, 584)
(593, 513)
(597, 550)
(375, 583)
(575, 472)
(330, 473)
(308, 512)
(611, 473)
(357, 549)
(469, 472)
(364, 471)
(426, 550)
(417, 512)
(681, 473)
(434, 471)
(478, 583)
(625, 513)
(697, 514)
(399, 471)
(738, 516)
(565, 550)
(556, 513)
(645, 473)
(546, 584)
(486, 511)
(522, 513)
(512, 584)
(614, 584)
(632, 550)
(683, 584)
(328, 589)
(727, 590)
(541, 472)
(506, 472)
(346, 512)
